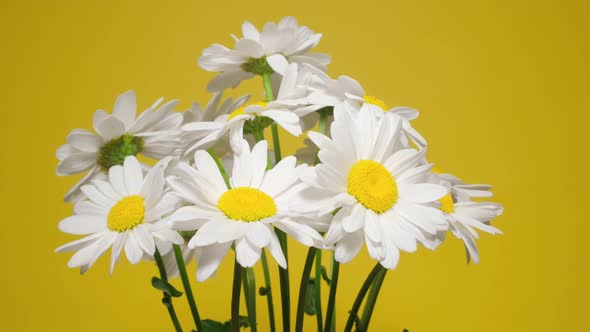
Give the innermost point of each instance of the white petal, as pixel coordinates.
(110, 128)
(421, 192)
(247, 254)
(125, 108)
(348, 247)
(356, 219)
(132, 250)
(76, 163)
(210, 258)
(133, 175)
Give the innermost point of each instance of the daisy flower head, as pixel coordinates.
(249, 118)
(118, 135)
(378, 187)
(207, 125)
(242, 211)
(327, 91)
(464, 215)
(286, 39)
(123, 213)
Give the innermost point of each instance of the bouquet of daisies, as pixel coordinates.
(219, 188)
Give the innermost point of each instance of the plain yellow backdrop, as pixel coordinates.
(502, 87)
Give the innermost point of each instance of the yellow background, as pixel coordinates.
(502, 87)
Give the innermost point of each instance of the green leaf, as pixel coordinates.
(309, 306)
(210, 325)
(262, 291)
(167, 288)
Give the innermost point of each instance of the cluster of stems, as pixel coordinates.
(244, 277)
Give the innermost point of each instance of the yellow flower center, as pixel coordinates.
(126, 214)
(446, 204)
(246, 204)
(376, 101)
(372, 185)
(241, 110)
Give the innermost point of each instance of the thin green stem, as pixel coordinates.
(360, 297)
(271, 310)
(283, 273)
(318, 288)
(303, 288)
(276, 142)
(249, 284)
(330, 321)
(235, 298)
(220, 166)
(166, 298)
(267, 83)
(187, 288)
(284, 282)
(372, 299)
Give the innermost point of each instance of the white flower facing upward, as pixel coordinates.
(118, 135)
(379, 186)
(244, 214)
(465, 215)
(252, 117)
(125, 214)
(286, 39)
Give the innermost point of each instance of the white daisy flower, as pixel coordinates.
(123, 213)
(379, 187)
(286, 39)
(250, 118)
(464, 215)
(346, 90)
(118, 135)
(205, 137)
(244, 214)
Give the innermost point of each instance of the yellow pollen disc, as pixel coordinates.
(372, 185)
(446, 204)
(240, 111)
(126, 214)
(436, 170)
(246, 204)
(376, 101)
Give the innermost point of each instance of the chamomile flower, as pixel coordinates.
(379, 188)
(249, 117)
(242, 215)
(118, 135)
(123, 213)
(464, 215)
(346, 90)
(286, 39)
(207, 135)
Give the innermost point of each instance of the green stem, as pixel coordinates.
(360, 297)
(372, 299)
(267, 83)
(303, 288)
(284, 282)
(187, 288)
(235, 298)
(249, 284)
(318, 288)
(276, 142)
(330, 321)
(271, 310)
(167, 299)
(220, 166)
(283, 273)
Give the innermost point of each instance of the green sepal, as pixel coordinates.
(167, 288)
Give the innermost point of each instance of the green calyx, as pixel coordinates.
(114, 152)
(257, 66)
(257, 124)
